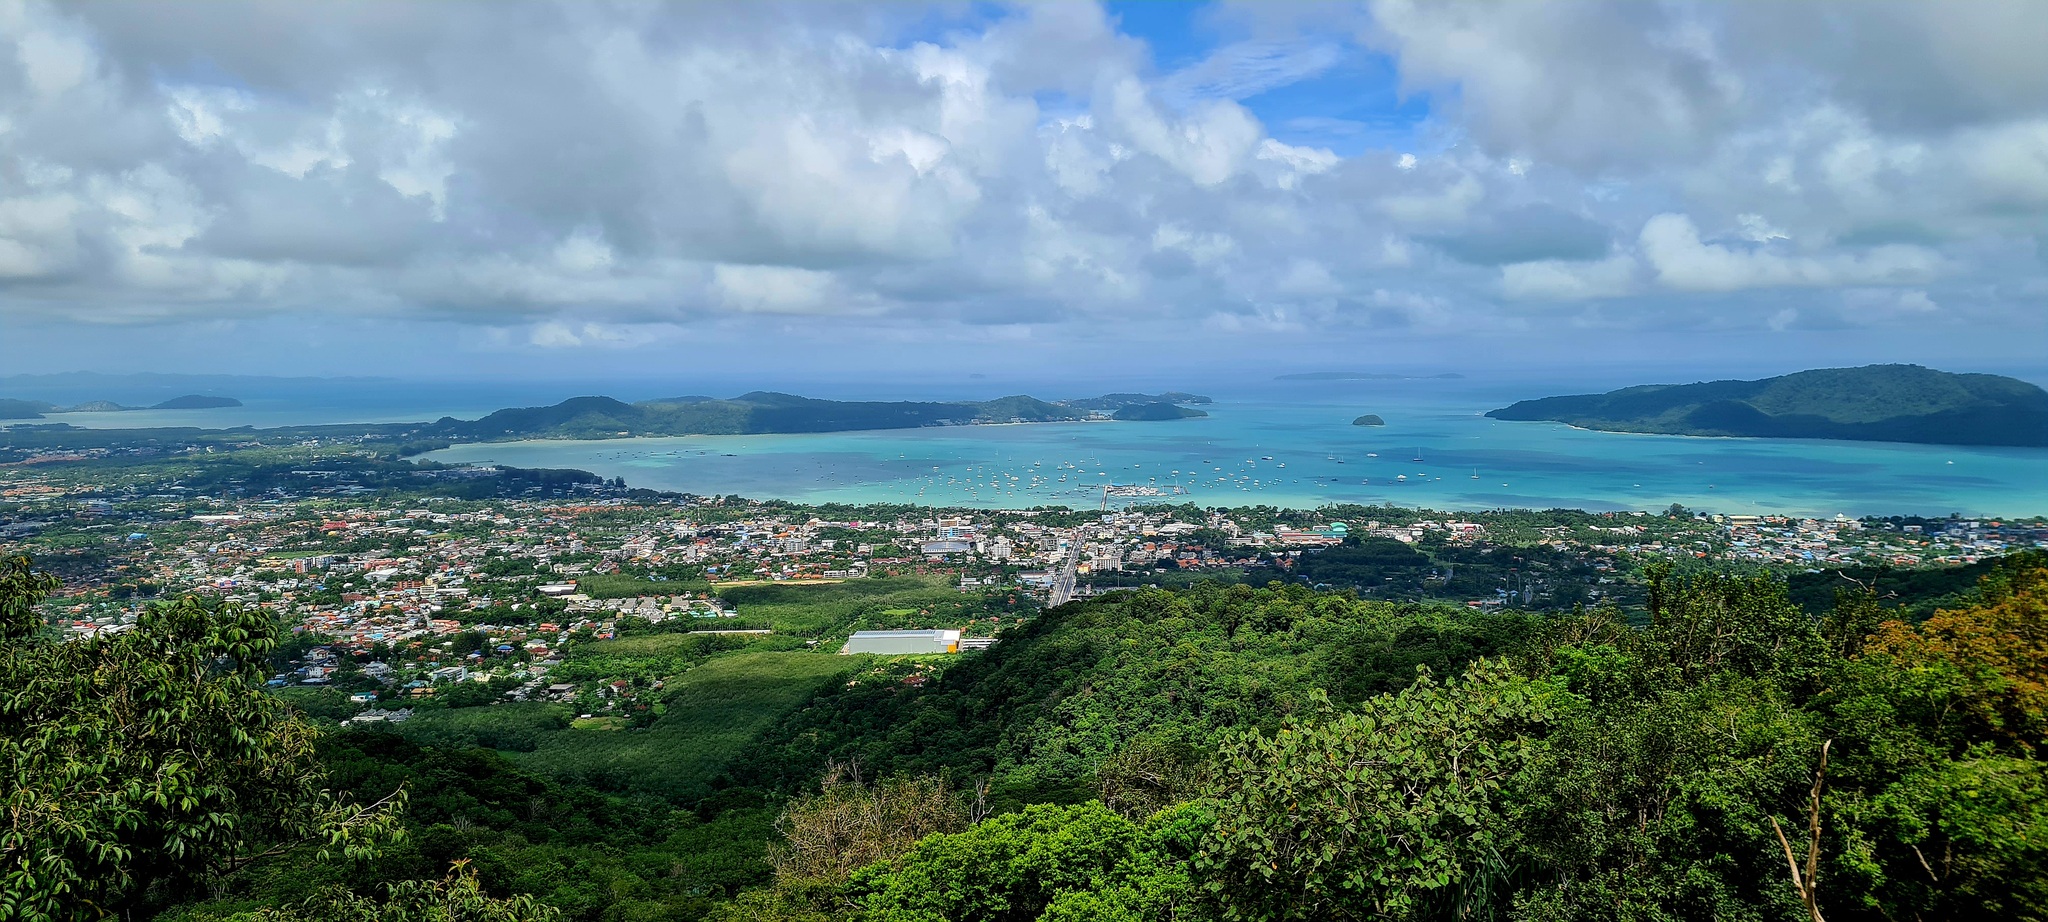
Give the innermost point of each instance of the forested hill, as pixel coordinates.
(765, 412)
(1885, 403)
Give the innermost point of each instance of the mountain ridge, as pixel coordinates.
(1884, 403)
(769, 412)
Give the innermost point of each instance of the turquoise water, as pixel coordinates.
(1299, 449)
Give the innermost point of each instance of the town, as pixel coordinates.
(402, 598)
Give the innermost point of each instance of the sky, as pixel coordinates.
(832, 189)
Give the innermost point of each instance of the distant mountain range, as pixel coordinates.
(34, 409)
(1885, 403)
(770, 412)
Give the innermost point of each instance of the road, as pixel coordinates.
(1063, 584)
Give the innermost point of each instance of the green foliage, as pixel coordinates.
(1157, 671)
(518, 726)
(1057, 864)
(458, 897)
(711, 713)
(1389, 811)
(21, 588)
(145, 764)
(1915, 591)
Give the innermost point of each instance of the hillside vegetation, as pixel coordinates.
(1890, 403)
(1210, 754)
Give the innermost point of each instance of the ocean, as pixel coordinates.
(1265, 442)
(1295, 446)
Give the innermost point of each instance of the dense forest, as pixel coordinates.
(1218, 752)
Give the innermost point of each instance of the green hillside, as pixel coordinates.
(1886, 403)
(1148, 412)
(763, 412)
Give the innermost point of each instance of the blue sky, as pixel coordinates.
(1326, 90)
(471, 189)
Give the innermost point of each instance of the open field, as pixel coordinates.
(712, 712)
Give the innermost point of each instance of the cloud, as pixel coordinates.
(919, 174)
(773, 289)
(1568, 280)
(1529, 233)
(1681, 260)
(557, 334)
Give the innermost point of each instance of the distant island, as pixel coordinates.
(764, 412)
(197, 402)
(35, 409)
(1369, 419)
(1364, 376)
(1884, 403)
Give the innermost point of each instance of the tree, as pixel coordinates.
(1390, 811)
(144, 764)
(826, 836)
(458, 898)
(1044, 864)
(1944, 786)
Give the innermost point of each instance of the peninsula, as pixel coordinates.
(34, 409)
(762, 412)
(1882, 403)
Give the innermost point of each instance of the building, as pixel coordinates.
(897, 642)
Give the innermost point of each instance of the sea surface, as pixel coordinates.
(1294, 445)
(1265, 442)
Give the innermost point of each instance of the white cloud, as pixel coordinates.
(556, 334)
(1446, 205)
(55, 62)
(1208, 144)
(1681, 260)
(1027, 169)
(1568, 280)
(773, 289)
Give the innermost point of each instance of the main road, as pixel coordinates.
(1063, 584)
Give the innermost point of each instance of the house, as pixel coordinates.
(379, 715)
(899, 642)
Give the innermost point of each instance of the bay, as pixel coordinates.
(1296, 447)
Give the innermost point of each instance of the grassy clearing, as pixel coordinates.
(615, 586)
(813, 610)
(654, 644)
(713, 711)
(515, 726)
